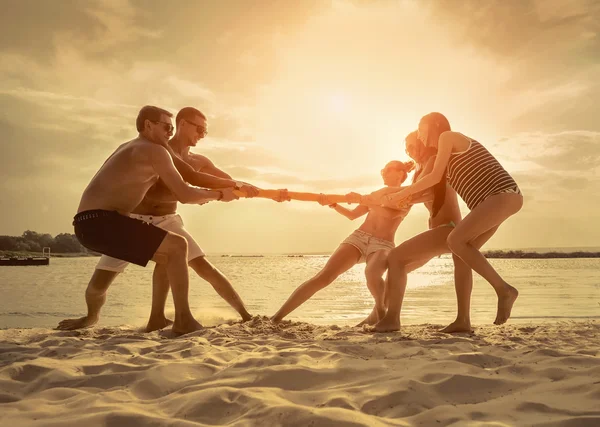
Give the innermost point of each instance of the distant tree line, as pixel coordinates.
(31, 241)
(540, 255)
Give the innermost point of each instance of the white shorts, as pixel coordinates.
(367, 244)
(171, 222)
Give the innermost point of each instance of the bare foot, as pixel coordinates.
(387, 325)
(458, 326)
(371, 319)
(72, 324)
(157, 324)
(505, 304)
(186, 327)
(246, 316)
(275, 319)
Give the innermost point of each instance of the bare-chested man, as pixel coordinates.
(159, 208)
(103, 224)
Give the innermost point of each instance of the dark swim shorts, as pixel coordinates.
(118, 236)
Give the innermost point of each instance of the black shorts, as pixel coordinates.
(118, 236)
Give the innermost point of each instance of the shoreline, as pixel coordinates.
(491, 254)
(25, 254)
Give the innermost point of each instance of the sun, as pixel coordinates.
(337, 103)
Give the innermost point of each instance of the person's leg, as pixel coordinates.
(344, 258)
(219, 282)
(374, 270)
(376, 316)
(405, 258)
(489, 214)
(172, 252)
(95, 297)
(463, 284)
(160, 292)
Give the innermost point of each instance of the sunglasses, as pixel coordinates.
(201, 129)
(168, 127)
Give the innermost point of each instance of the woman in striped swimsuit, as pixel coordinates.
(490, 193)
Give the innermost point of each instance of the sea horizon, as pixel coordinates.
(540, 249)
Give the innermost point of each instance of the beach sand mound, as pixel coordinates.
(297, 374)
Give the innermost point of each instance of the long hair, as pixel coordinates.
(438, 124)
(439, 189)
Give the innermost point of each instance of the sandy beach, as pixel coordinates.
(298, 374)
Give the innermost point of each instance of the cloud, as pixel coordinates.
(565, 152)
(118, 22)
(520, 30)
(188, 89)
(549, 47)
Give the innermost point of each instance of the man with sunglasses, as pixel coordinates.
(104, 224)
(159, 208)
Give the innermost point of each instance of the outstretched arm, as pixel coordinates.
(204, 166)
(423, 197)
(165, 168)
(200, 179)
(351, 214)
(376, 198)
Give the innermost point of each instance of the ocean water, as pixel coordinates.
(550, 290)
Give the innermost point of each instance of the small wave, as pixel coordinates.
(555, 317)
(36, 314)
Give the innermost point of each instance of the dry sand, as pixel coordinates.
(299, 374)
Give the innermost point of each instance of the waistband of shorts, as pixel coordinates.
(369, 235)
(151, 218)
(96, 213)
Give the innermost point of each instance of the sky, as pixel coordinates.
(305, 95)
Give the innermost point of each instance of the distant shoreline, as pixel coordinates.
(26, 254)
(539, 255)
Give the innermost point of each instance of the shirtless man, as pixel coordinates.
(370, 243)
(159, 208)
(103, 224)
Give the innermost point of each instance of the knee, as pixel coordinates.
(455, 242)
(373, 274)
(398, 260)
(177, 244)
(100, 282)
(396, 256)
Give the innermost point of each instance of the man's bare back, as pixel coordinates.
(123, 180)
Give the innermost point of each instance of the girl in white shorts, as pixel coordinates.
(370, 243)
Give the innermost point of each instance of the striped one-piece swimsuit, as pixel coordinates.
(476, 175)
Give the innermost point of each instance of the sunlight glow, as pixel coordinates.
(338, 103)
